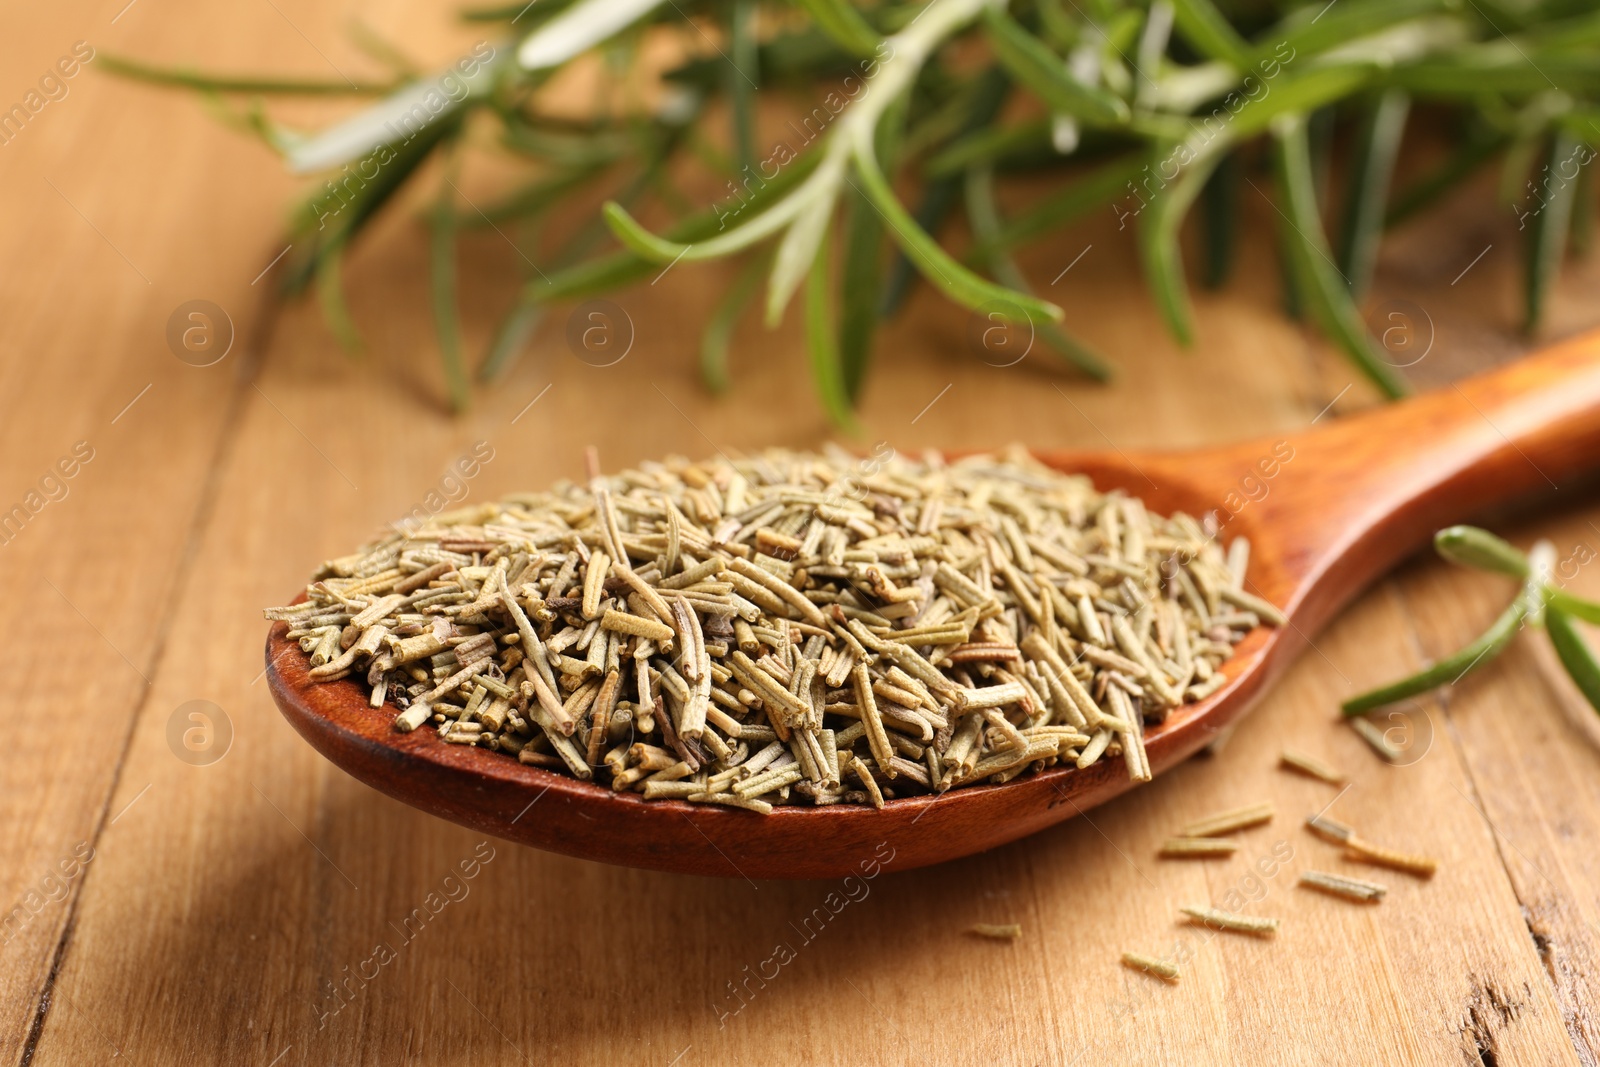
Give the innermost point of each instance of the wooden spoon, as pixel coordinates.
(1327, 511)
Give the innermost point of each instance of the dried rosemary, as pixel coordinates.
(1366, 852)
(1197, 848)
(996, 931)
(787, 628)
(1311, 767)
(1226, 822)
(1229, 920)
(1340, 886)
(1329, 829)
(1151, 965)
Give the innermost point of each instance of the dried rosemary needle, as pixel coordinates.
(996, 931)
(789, 627)
(1366, 852)
(1151, 965)
(1311, 767)
(1197, 848)
(1229, 920)
(1329, 828)
(1373, 735)
(1226, 822)
(1340, 886)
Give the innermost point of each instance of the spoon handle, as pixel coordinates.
(1361, 493)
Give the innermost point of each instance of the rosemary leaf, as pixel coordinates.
(509, 338)
(937, 265)
(1480, 146)
(719, 330)
(214, 83)
(1575, 654)
(618, 269)
(1102, 80)
(591, 145)
(1158, 226)
(1482, 70)
(984, 216)
(995, 144)
(1575, 607)
(533, 199)
(1583, 212)
(651, 248)
(330, 296)
(404, 116)
(860, 288)
(939, 198)
(1210, 33)
(1342, 24)
(825, 369)
(1032, 63)
(328, 220)
(1377, 147)
(1072, 202)
(743, 77)
(1297, 96)
(1547, 240)
(1325, 288)
(578, 29)
(1219, 218)
(844, 24)
(375, 45)
(943, 191)
(1471, 546)
(801, 245)
(446, 314)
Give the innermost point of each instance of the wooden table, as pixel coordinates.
(263, 908)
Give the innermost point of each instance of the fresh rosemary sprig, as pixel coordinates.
(1143, 107)
(1540, 604)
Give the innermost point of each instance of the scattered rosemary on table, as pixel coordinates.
(790, 628)
(1339, 885)
(1218, 919)
(996, 931)
(1541, 603)
(1141, 109)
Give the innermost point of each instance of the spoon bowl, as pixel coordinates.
(1326, 510)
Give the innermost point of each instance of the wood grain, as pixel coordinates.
(223, 900)
(120, 205)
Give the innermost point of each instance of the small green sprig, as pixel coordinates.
(916, 112)
(1540, 604)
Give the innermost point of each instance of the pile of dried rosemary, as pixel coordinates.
(790, 627)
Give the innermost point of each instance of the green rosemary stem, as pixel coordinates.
(329, 278)
(178, 77)
(1479, 548)
(1547, 239)
(719, 330)
(822, 343)
(1326, 289)
(860, 288)
(446, 312)
(1474, 547)
(1448, 670)
(1567, 604)
(984, 217)
(743, 78)
(1575, 654)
